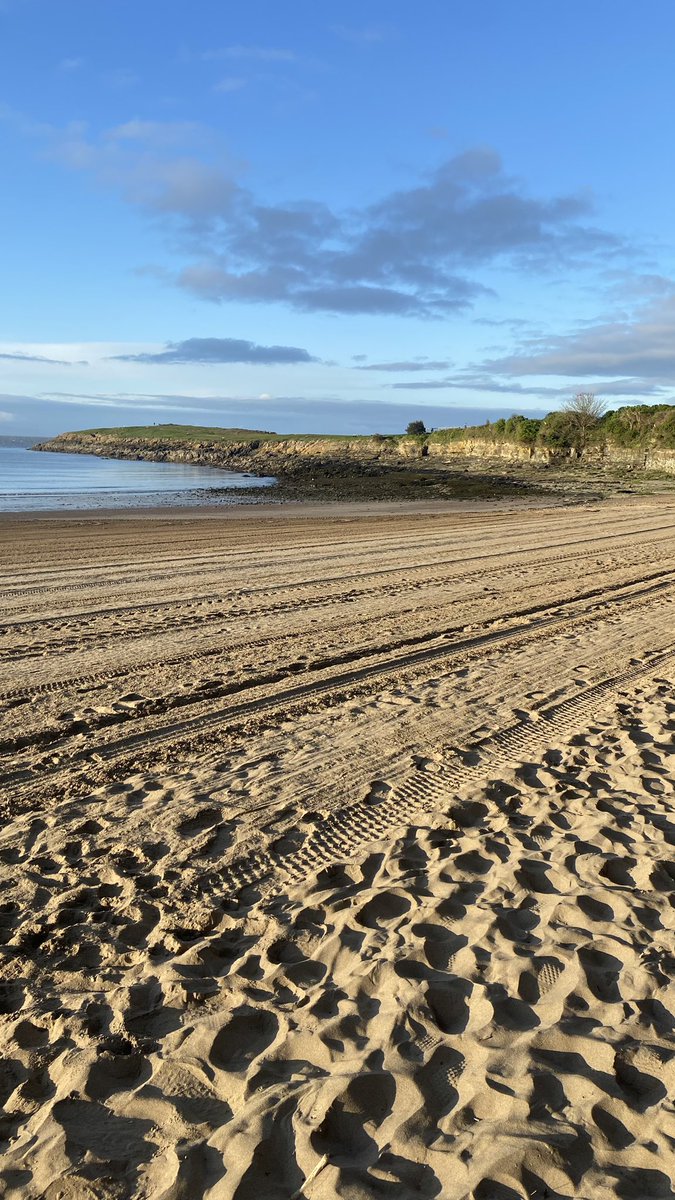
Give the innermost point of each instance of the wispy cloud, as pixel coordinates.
(231, 83)
(20, 356)
(67, 65)
(475, 382)
(415, 365)
(641, 345)
(220, 350)
(160, 135)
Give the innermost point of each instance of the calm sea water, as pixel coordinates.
(36, 481)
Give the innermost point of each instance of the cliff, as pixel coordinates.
(259, 454)
(270, 454)
(602, 454)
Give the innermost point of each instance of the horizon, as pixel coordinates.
(323, 219)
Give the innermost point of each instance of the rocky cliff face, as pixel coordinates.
(257, 456)
(292, 456)
(607, 454)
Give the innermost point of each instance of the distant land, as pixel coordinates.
(22, 442)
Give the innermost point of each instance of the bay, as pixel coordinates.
(40, 481)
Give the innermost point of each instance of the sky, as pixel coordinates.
(332, 217)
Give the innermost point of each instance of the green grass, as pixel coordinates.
(213, 434)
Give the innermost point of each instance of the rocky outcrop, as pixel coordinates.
(258, 456)
(605, 454)
(294, 456)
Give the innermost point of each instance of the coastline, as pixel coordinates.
(296, 510)
(380, 469)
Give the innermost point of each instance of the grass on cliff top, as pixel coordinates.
(214, 434)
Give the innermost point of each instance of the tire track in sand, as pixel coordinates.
(343, 833)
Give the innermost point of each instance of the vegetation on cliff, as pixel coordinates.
(638, 426)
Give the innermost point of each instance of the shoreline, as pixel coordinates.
(314, 509)
(328, 474)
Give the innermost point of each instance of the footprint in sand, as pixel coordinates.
(347, 1131)
(246, 1035)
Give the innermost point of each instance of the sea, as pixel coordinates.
(39, 481)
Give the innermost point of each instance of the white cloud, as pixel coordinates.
(231, 83)
(158, 135)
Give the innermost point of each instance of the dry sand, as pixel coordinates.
(338, 854)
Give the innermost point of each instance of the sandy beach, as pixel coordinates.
(337, 853)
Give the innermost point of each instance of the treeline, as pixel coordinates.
(639, 426)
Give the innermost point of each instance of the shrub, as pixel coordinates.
(556, 431)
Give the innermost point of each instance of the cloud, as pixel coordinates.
(231, 83)
(131, 400)
(158, 134)
(220, 350)
(176, 170)
(475, 382)
(70, 64)
(515, 324)
(406, 366)
(415, 252)
(418, 251)
(39, 358)
(641, 345)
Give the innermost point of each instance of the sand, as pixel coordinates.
(337, 855)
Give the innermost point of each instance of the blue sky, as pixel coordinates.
(332, 217)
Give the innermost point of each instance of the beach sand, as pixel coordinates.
(337, 854)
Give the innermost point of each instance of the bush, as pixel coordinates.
(521, 429)
(636, 425)
(415, 428)
(641, 425)
(556, 431)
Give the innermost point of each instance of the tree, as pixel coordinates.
(415, 427)
(583, 412)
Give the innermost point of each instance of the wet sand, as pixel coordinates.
(337, 855)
